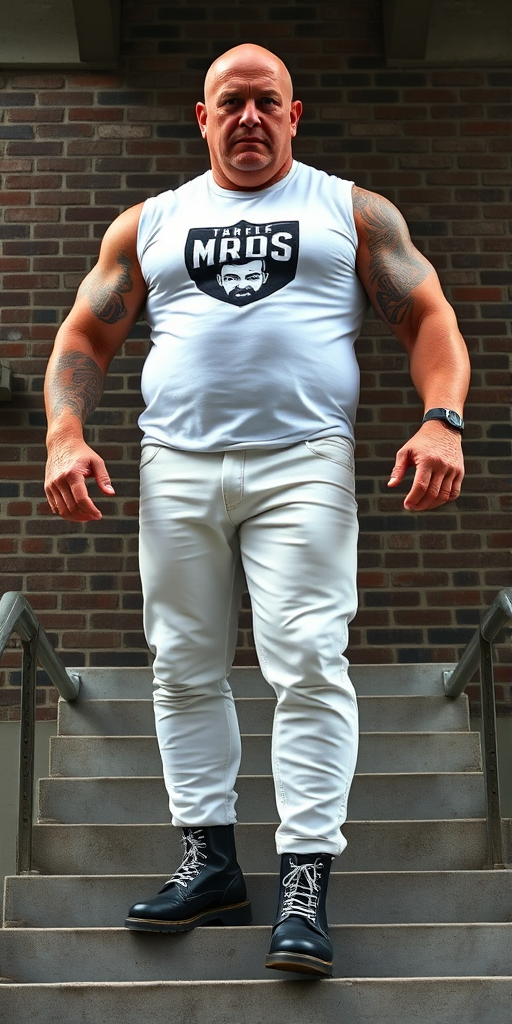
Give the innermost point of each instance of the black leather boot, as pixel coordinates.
(207, 887)
(300, 941)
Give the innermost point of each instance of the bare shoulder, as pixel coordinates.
(372, 212)
(121, 236)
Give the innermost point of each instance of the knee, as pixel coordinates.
(168, 689)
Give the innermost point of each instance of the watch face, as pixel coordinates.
(453, 417)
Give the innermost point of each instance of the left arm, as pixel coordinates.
(405, 291)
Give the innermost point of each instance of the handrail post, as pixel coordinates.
(17, 616)
(490, 753)
(27, 741)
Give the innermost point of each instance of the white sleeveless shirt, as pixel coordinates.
(254, 307)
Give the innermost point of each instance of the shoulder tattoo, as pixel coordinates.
(396, 267)
(106, 299)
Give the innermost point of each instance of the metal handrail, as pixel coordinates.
(17, 616)
(479, 652)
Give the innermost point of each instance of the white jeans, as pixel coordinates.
(286, 517)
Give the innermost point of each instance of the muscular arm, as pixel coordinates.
(405, 292)
(108, 303)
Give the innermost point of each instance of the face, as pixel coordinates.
(241, 282)
(248, 118)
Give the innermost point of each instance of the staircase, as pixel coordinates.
(422, 934)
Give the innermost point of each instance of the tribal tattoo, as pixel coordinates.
(76, 385)
(396, 267)
(106, 300)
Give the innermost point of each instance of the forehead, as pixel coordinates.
(242, 74)
(230, 268)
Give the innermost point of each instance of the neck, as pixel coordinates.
(221, 179)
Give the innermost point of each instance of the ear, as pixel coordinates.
(295, 112)
(201, 117)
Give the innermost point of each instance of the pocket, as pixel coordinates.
(149, 452)
(334, 449)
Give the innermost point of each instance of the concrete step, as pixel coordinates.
(93, 756)
(255, 715)
(359, 897)
(222, 954)
(155, 849)
(373, 797)
(368, 680)
(422, 1001)
(477, 1000)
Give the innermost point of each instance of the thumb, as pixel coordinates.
(399, 469)
(101, 475)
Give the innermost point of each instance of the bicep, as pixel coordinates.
(400, 282)
(112, 296)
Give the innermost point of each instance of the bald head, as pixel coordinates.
(248, 117)
(248, 55)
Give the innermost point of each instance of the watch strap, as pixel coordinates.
(447, 416)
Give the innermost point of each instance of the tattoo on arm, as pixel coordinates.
(106, 300)
(77, 385)
(396, 267)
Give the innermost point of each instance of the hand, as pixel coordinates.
(68, 466)
(436, 452)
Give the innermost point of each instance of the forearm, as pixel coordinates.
(73, 384)
(439, 362)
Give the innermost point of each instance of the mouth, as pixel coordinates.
(251, 139)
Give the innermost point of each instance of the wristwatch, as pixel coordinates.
(447, 416)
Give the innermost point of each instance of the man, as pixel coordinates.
(247, 467)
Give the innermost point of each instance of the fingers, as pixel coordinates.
(431, 489)
(72, 503)
(399, 469)
(65, 486)
(431, 493)
(439, 469)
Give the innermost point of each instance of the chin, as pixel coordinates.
(251, 162)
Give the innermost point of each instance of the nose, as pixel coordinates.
(250, 116)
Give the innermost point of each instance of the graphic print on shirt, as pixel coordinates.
(243, 262)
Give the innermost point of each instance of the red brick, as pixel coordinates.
(65, 98)
(18, 216)
(108, 114)
(19, 508)
(48, 115)
(8, 546)
(37, 81)
(477, 294)
(90, 601)
(11, 166)
(16, 198)
(37, 546)
(13, 263)
(32, 181)
(94, 640)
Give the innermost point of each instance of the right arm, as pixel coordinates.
(107, 305)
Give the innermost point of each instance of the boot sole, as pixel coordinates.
(300, 963)
(237, 914)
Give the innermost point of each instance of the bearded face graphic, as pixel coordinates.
(244, 262)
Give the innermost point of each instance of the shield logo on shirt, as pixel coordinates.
(244, 262)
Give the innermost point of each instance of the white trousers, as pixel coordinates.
(287, 518)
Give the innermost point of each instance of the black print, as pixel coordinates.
(244, 262)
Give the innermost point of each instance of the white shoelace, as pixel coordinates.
(194, 859)
(302, 887)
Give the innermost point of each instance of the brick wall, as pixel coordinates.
(77, 148)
